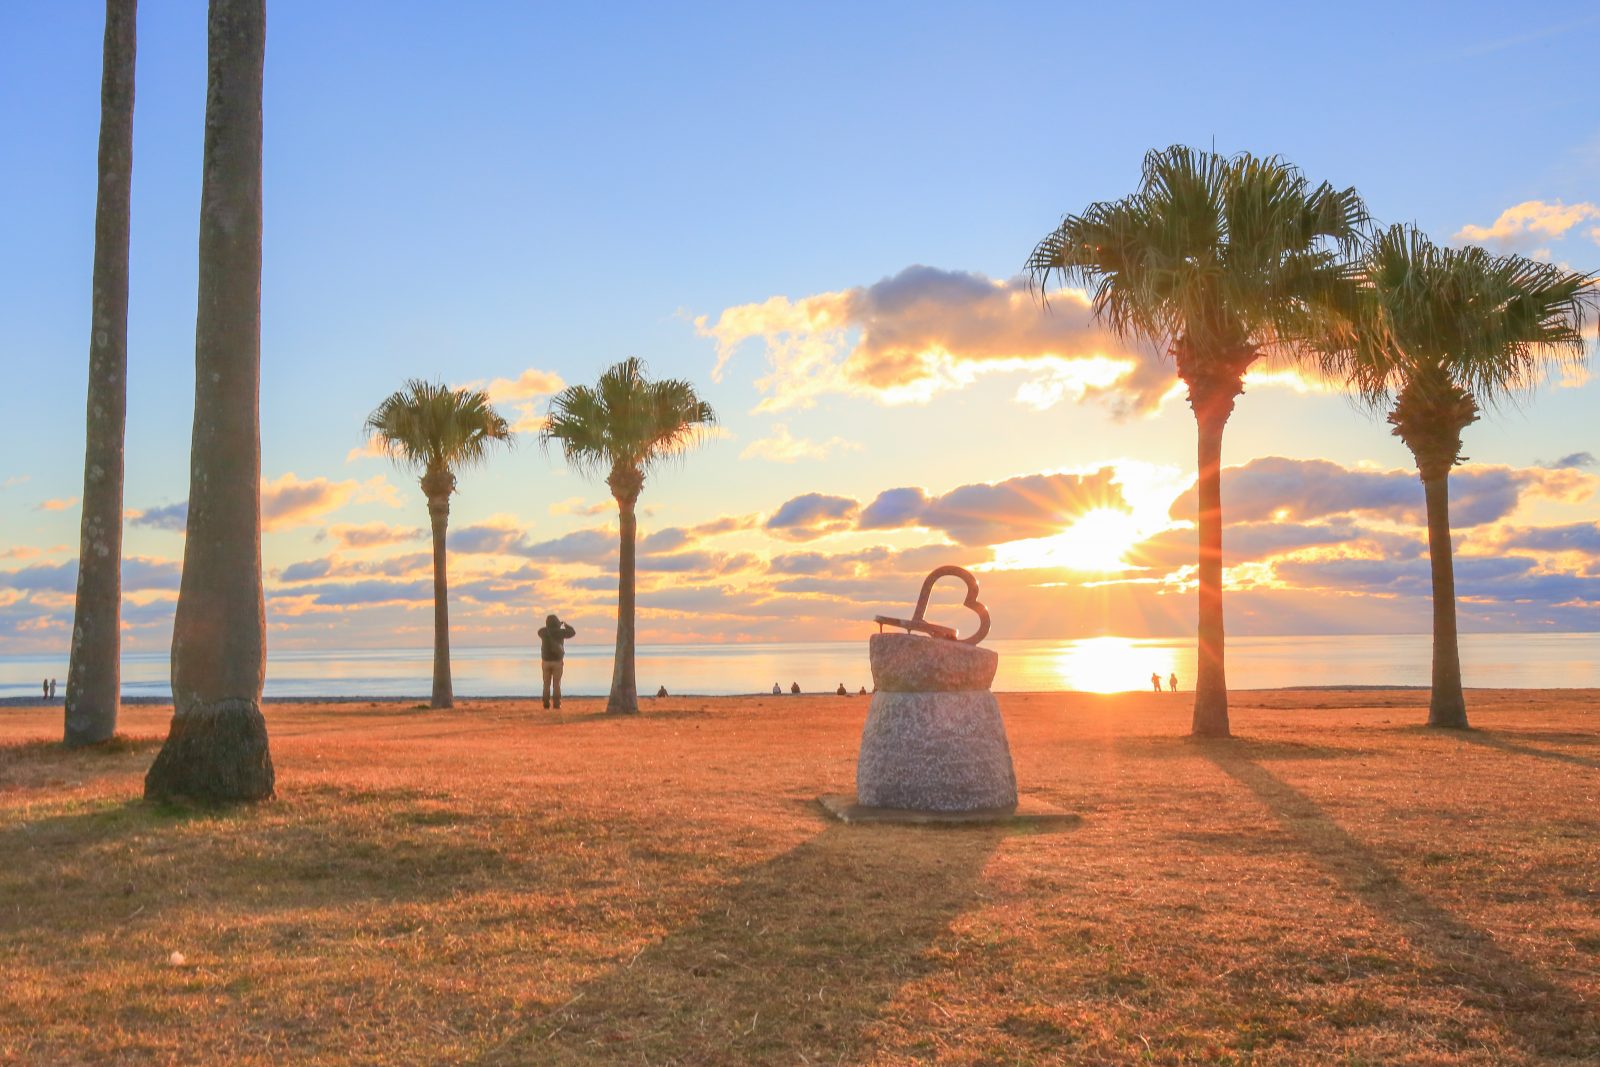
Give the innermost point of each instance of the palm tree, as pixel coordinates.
(1217, 261)
(1443, 331)
(437, 430)
(625, 425)
(94, 674)
(216, 748)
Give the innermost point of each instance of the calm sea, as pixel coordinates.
(1105, 665)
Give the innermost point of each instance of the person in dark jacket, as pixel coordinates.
(552, 655)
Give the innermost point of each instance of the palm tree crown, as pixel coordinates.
(1216, 260)
(626, 424)
(435, 429)
(1438, 324)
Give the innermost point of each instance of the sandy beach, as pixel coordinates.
(506, 884)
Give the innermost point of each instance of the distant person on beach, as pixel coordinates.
(777, 690)
(52, 689)
(863, 692)
(1155, 681)
(794, 687)
(661, 692)
(552, 654)
(44, 689)
(841, 691)
(1172, 682)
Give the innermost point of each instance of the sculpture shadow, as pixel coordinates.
(791, 965)
(1547, 1018)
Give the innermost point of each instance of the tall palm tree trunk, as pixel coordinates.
(1429, 415)
(94, 674)
(217, 746)
(1447, 705)
(1211, 683)
(624, 698)
(439, 516)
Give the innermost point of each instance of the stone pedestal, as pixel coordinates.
(934, 740)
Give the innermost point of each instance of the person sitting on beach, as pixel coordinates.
(552, 655)
(1172, 682)
(841, 691)
(794, 687)
(863, 692)
(1155, 681)
(661, 692)
(777, 690)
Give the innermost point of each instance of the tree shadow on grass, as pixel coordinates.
(795, 961)
(1548, 1019)
(84, 868)
(1505, 744)
(47, 764)
(1182, 747)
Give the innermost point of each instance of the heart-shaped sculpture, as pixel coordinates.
(972, 603)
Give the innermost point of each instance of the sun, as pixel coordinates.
(1095, 542)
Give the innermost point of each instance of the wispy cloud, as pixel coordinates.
(372, 535)
(1516, 40)
(576, 505)
(58, 504)
(783, 447)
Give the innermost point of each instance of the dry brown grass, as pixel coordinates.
(501, 884)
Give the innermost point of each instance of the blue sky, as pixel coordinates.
(476, 192)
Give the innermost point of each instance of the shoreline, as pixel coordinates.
(152, 701)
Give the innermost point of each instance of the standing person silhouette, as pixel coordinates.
(52, 689)
(1172, 682)
(552, 654)
(1155, 681)
(44, 689)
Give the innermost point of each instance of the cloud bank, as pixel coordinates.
(925, 331)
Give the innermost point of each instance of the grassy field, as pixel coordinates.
(501, 884)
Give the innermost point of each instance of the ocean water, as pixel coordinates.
(1104, 665)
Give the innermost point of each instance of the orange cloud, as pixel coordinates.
(523, 392)
(529, 385)
(1524, 225)
(59, 504)
(290, 501)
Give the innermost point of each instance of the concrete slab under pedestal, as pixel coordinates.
(1030, 814)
